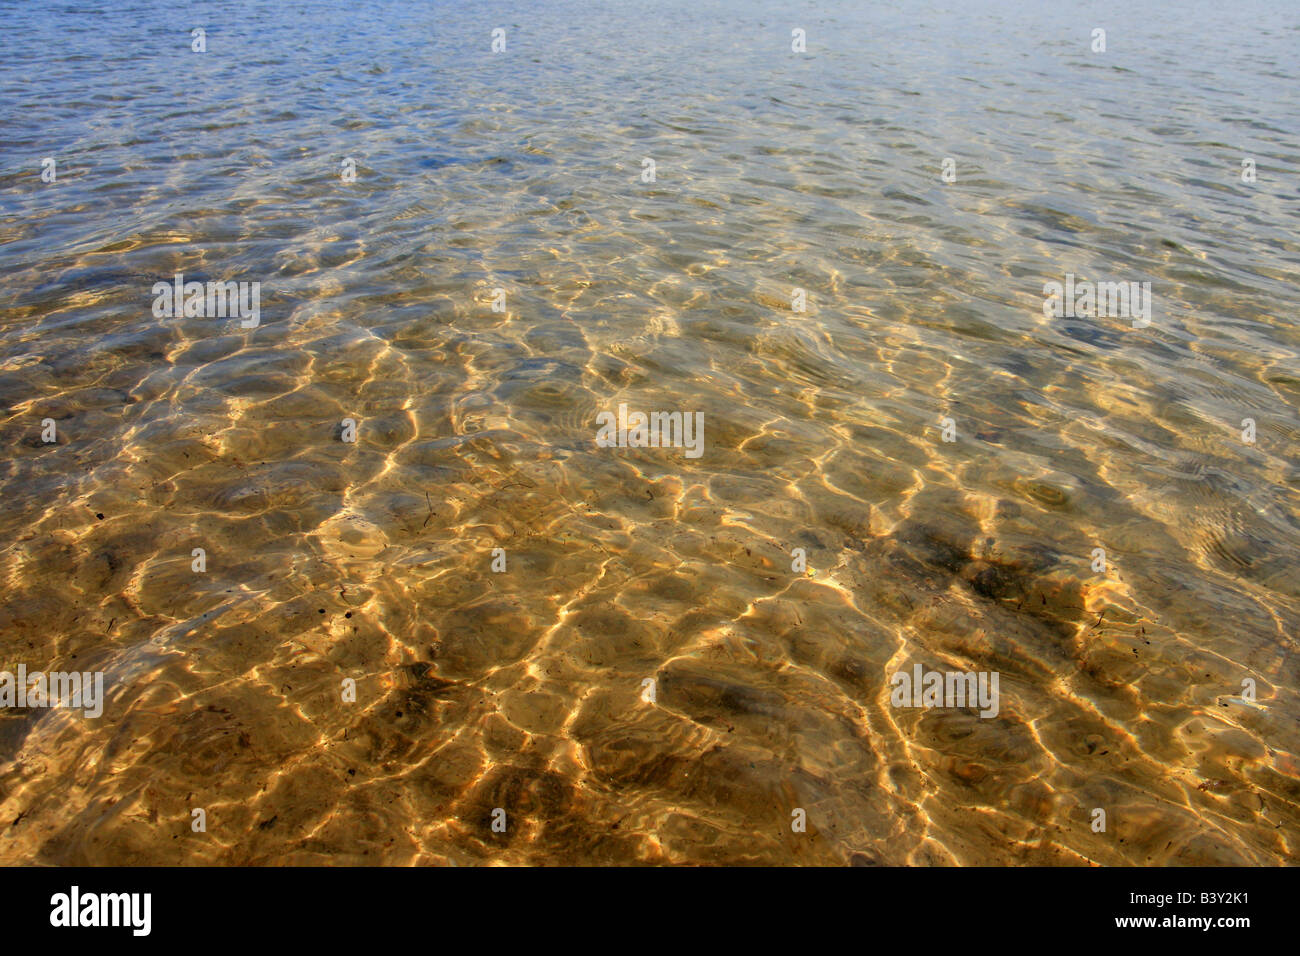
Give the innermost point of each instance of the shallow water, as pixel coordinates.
(523, 690)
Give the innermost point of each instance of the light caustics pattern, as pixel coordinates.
(523, 690)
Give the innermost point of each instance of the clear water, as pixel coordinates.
(523, 690)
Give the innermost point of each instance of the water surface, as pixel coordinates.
(523, 690)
